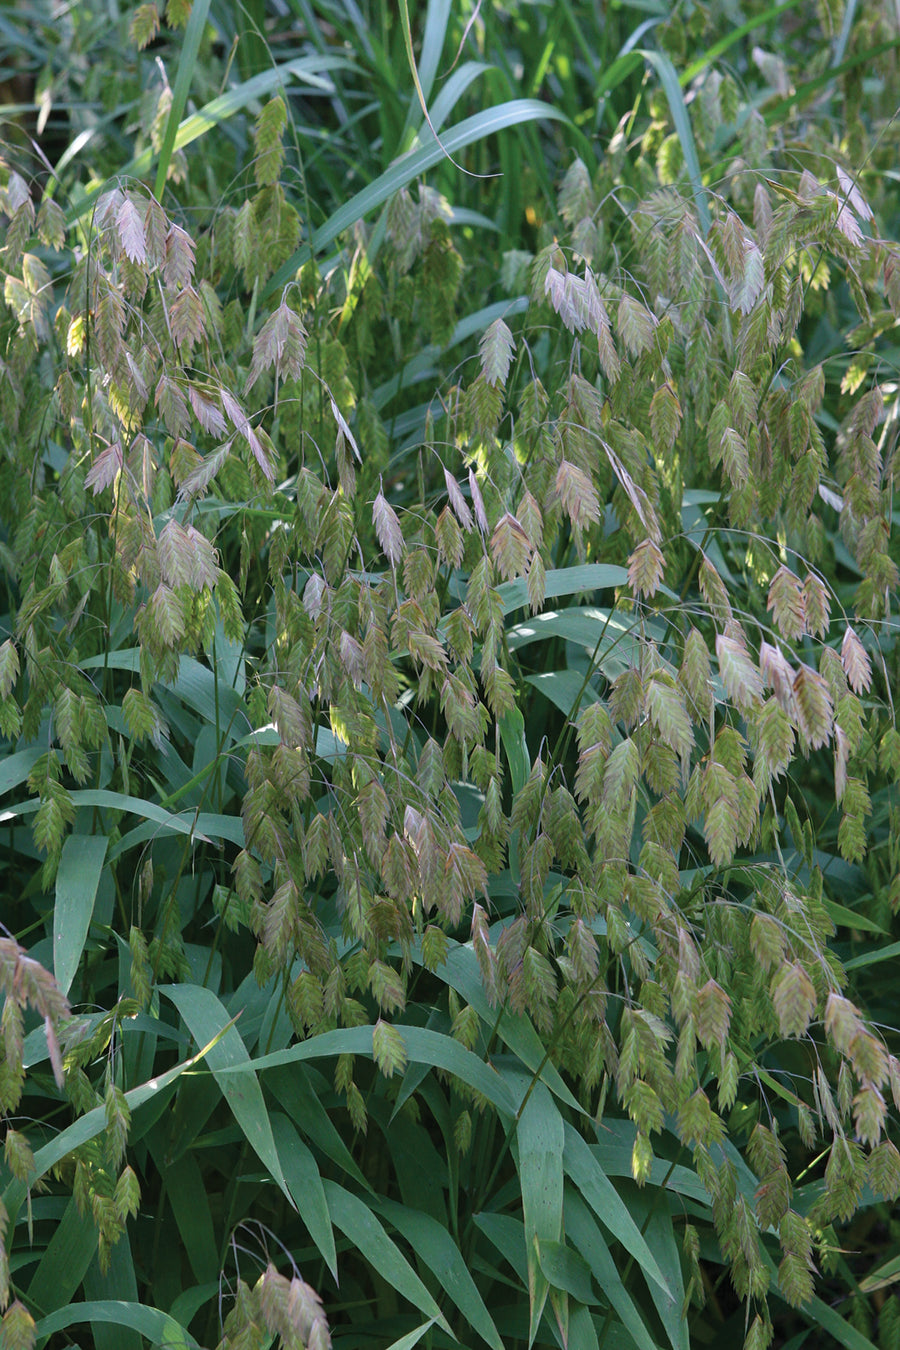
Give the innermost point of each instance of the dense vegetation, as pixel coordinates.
(448, 752)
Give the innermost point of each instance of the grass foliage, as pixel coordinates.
(447, 741)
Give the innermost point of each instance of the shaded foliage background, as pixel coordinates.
(447, 675)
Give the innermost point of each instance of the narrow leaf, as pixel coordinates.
(541, 1136)
(356, 1221)
(207, 1019)
(304, 1182)
(80, 866)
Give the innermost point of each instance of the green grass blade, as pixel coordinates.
(158, 1327)
(672, 89)
(195, 684)
(433, 1244)
(515, 746)
(80, 866)
(540, 1134)
(188, 1303)
(660, 1234)
(734, 35)
(421, 365)
(873, 957)
(508, 1236)
(207, 1020)
(840, 47)
(618, 71)
(204, 825)
(453, 91)
(65, 1261)
(511, 727)
(825, 1317)
(460, 970)
(437, 17)
(584, 1234)
(190, 1207)
(15, 768)
(291, 1086)
(304, 1182)
(423, 1046)
(582, 1332)
(412, 1337)
(585, 1171)
(252, 50)
(565, 689)
(437, 10)
(358, 1223)
(187, 65)
(306, 69)
(883, 1277)
(189, 822)
(842, 917)
(566, 1269)
(88, 1126)
(614, 1153)
(119, 1282)
(775, 111)
(474, 128)
(564, 581)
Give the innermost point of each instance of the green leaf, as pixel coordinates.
(307, 69)
(436, 19)
(825, 1316)
(187, 822)
(187, 64)
(540, 1134)
(88, 1126)
(423, 1046)
(842, 917)
(566, 689)
(188, 1303)
(831, 1322)
(80, 866)
(406, 170)
(208, 1021)
(566, 1269)
(586, 1172)
(434, 1245)
(412, 1337)
(512, 734)
(117, 1282)
(659, 1231)
(158, 1327)
(202, 689)
(611, 634)
(304, 1182)
(292, 1086)
(734, 35)
(190, 1206)
(206, 827)
(881, 1278)
(65, 1260)
(15, 768)
(357, 1222)
(508, 1236)
(669, 81)
(873, 957)
(587, 1239)
(460, 970)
